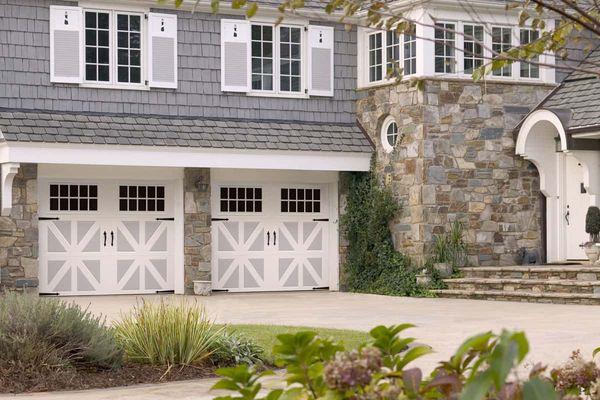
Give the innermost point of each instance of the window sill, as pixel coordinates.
(279, 95)
(113, 86)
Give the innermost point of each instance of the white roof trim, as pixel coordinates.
(531, 120)
(123, 155)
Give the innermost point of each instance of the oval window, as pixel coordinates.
(389, 134)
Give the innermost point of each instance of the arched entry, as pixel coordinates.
(542, 140)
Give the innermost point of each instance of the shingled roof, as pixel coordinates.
(577, 100)
(56, 127)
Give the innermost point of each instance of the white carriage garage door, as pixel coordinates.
(105, 237)
(270, 237)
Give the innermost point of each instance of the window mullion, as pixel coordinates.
(276, 59)
(384, 50)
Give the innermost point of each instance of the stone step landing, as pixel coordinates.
(570, 284)
(571, 272)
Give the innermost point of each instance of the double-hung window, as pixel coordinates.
(501, 42)
(390, 50)
(410, 51)
(473, 47)
(113, 47)
(276, 58)
(375, 56)
(529, 70)
(445, 61)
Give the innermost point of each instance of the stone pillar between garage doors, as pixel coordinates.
(19, 234)
(197, 237)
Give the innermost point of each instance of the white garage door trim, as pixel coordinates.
(110, 250)
(305, 253)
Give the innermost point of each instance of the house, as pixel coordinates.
(146, 147)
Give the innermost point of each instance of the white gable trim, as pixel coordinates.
(123, 155)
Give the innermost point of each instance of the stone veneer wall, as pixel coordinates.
(197, 238)
(457, 160)
(19, 233)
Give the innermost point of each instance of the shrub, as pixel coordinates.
(234, 348)
(38, 333)
(592, 223)
(372, 264)
(168, 334)
(483, 368)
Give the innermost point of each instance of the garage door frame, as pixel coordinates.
(291, 178)
(126, 175)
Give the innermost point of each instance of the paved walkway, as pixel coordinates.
(553, 330)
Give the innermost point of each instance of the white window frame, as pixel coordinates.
(414, 57)
(366, 66)
(387, 122)
(535, 59)
(513, 75)
(277, 92)
(456, 46)
(462, 53)
(113, 83)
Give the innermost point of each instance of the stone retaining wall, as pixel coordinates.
(456, 160)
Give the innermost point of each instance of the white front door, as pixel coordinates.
(106, 237)
(270, 237)
(577, 203)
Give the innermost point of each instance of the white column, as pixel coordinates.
(9, 170)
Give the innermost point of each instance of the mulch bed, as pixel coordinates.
(21, 381)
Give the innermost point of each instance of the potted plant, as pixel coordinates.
(442, 256)
(592, 227)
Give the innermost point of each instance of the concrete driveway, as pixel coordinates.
(553, 330)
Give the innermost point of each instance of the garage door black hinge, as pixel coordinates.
(219, 219)
(166, 219)
(48, 218)
(220, 290)
(320, 219)
(164, 291)
(48, 294)
(321, 288)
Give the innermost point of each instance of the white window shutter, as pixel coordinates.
(66, 47)
(320, 60)
(162, 50)
(235, 55)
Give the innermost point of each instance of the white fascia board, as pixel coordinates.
(122, 155)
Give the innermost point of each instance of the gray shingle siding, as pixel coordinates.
(25, 75)
(56, 127)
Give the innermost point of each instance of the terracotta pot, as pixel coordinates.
(203, 288)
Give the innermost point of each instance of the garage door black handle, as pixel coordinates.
(104, 238)
(112, 238)
(274, 238)
(268, 237)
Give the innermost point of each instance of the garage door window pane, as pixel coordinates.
(300, 200)
(240, 199)
(65, 197)
(141, 198)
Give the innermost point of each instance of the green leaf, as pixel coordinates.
(251, 11)
(596, 351)
(539, 389)
(413, 354)
(478, 387)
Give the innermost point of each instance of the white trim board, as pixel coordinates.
(120, 155)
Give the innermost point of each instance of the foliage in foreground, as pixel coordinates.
(234, 348)
(372, 263)
(481, 368)
(165, 333)
(39, 335)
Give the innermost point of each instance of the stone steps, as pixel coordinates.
(558, 298)
(525, 285)
(569, 284)
(570, 272)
